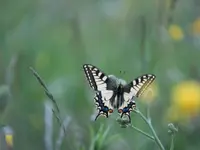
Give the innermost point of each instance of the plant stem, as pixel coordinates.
(45, 88)
(148, 112)
(172, 142)
(56, 112)
(148, 122)
(144, 133)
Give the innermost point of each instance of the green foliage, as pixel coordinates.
(101, 139)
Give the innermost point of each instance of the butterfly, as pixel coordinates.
(113, 93)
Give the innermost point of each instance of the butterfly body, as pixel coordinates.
(113, 93)
(117, 87)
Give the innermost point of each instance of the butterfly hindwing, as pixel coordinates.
(104, 106)
(126, 108)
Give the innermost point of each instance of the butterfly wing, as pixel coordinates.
(103, 86)
(138, 86)
(103, 106)
(134, 89)
(96, 78)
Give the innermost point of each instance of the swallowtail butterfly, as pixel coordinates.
(113, 93)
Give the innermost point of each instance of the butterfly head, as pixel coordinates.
(121, 82)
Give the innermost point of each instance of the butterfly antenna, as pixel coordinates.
(122, 72)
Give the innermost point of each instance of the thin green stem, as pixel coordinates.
(144, 133)
(148, 122)
(56, 112)
(148, 112)
(40, 80)
(172, 142)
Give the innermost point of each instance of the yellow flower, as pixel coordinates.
(150, 93)
(9, 140)
(176, 32)
(186, 98)
(196, 26)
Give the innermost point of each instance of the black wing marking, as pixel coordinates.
(138, 86)
(104, 106)
(134, 89)
(126, 108)
(99, 81)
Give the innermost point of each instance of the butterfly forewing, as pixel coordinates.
(98, 81)
(96, 78)
(142, 83)
(138, 86)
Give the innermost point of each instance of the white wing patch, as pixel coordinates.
(129, 96)
(107, 94)
(100, 101)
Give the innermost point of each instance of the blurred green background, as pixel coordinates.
(136, 36)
